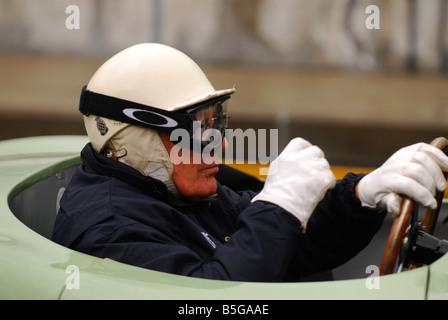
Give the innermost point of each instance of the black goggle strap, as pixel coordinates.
(92, 103)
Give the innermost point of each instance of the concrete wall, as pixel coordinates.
(320, 33)
(269, 48)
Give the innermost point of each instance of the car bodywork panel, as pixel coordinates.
(34, 267)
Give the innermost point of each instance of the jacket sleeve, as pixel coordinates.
(260, 249)
(338, 229)
(268, 244)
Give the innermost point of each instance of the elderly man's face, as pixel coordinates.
(193, 180)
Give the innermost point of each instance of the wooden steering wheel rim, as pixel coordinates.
(400, 225)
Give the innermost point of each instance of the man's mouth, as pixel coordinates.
(214, 168)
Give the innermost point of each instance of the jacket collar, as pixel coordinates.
(105, 166)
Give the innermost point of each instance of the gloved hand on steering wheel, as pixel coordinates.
(298, 179)
(414, 171)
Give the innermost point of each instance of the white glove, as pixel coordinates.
(298, 179)
(414, 171)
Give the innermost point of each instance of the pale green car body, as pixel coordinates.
(34, 267)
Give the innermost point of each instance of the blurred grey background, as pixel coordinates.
(308, 68)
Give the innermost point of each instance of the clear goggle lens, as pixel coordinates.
(209, 123)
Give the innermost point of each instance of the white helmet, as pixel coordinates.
(144, 85)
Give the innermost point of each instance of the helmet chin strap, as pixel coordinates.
(143, 149)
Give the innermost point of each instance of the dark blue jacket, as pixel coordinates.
(110, 210)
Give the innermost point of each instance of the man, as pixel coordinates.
(132, 200)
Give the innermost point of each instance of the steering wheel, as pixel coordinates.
(406, 225)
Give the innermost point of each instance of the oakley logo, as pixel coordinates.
(131, 113)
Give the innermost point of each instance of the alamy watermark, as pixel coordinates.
(373, 280)
(73, 281)
(373, 20)
(235, 146)
(73, 21)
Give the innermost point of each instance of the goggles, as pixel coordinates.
(209, 122)
(204, 123)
